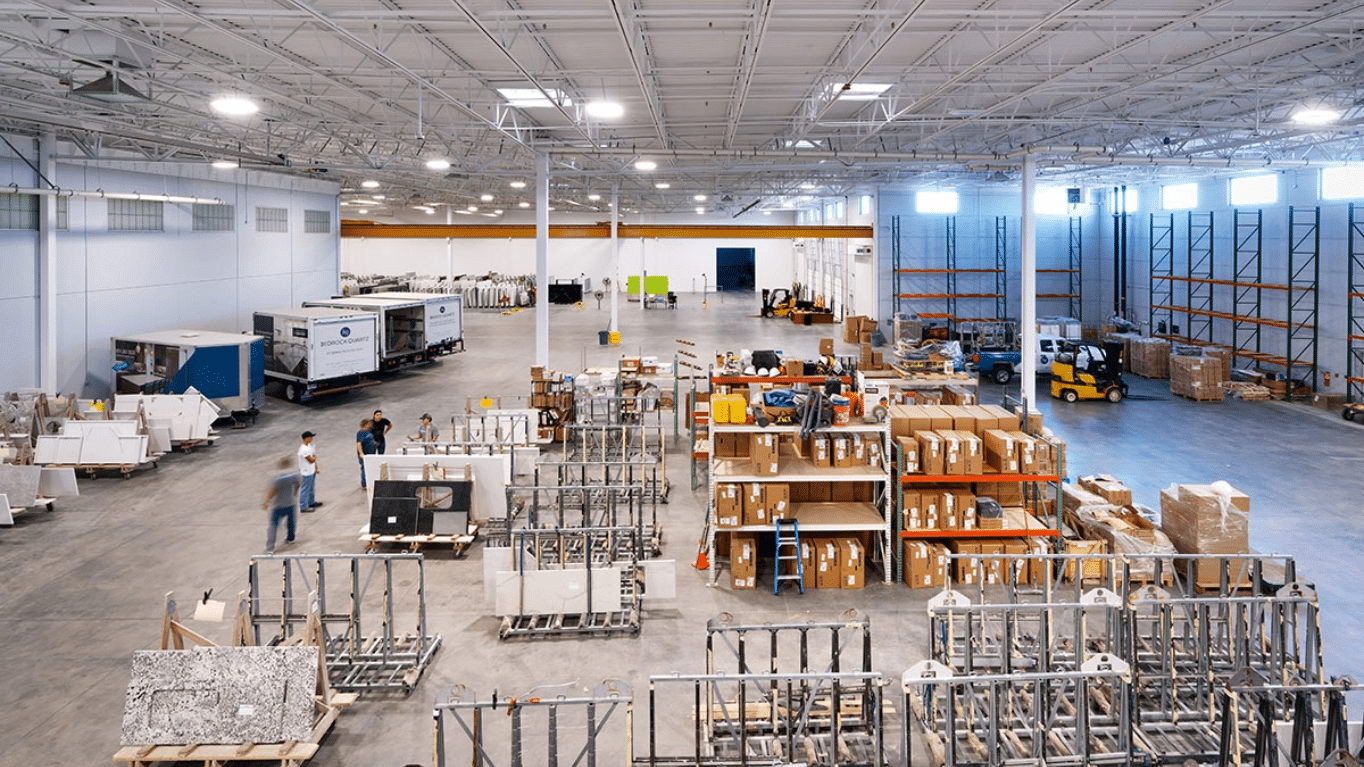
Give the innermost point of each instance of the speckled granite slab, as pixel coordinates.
(220, 695)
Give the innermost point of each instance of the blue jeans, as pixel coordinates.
(283, 512)
(362, 471)
(305, 491)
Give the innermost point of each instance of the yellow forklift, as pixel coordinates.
(1088, 370)
(778, 302)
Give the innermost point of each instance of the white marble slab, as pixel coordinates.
(6, 517)
(220, 695)
(58, 482)
(58, 448)
(551, 592)
(660, 579)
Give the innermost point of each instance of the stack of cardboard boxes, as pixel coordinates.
(1150, 357)
(954, 440)
(827, 562)
(976, 562)
(1206, 519)
(859, 330)
(1197, 378)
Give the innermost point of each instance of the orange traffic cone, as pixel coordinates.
(702, 563)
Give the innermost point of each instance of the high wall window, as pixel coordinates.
(214, 218)
(1049, 201)
(864, 205)
(1342, 183)
(935, 202)
(272, 219)
(18, 211)
(136, 216)
(63, 212)
(1254, 190)
(317, 221)
(1179, 196)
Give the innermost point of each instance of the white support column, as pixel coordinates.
(542, 260)
(47, 268)
(450, 246)
(615, 258)
(1028, 297)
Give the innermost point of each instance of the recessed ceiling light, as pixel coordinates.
(1316, 116)
(532, 97)
(486, 198)
(594, 197)
(663, 185)
(226, 164)
(523, 205)
(699, 198)
(364, 210)
(518, 185)
(605, 109)
(767, 213)
(646, 165)
(472, 209)
(370, 184)
(807, 185)
(438, 164)
(376, 197)
(234, 105)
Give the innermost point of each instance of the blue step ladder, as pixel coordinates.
(788, 550)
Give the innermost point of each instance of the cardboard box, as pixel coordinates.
(951, 452)
(992, 568)
(777, 499)
(762, 454)
(1006, 420)
(827, 572)
(1001, 451)
(808, 565)
(842, 450)
(925, 564)
(1017, 569)
(1199, 520)
(1108, 488)
(729, 508)
(821, 453)
(1006, 493)
(858, 446)
(965, 506)
(875, 456)
(907, 420)
(972, 452)
(911, 513)
(743, 560)
(967, 566)
(755, 506)
(826, 346)
(909, 452)
(852, 563)
(931, 457)
(852, 329)
(1026, 450)
(1089, 570)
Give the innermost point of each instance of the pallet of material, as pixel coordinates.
(458, 543)
(1247, 391)
(1196, 378)
(1150, 357)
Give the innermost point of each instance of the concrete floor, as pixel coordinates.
(83, 586)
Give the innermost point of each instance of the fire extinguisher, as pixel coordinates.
(1326, 377)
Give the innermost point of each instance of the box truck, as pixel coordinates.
(228, 368)
(318, 350)
(444, 319)
(402, 327)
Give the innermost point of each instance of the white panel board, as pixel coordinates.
(20, 484)
(660, 579)
(552, 592)
(58, 482)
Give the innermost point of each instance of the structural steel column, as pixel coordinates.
(47, 268)
(542, 260)
(1028, 297)
(615, 258)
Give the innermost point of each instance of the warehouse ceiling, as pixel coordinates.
(752, 104)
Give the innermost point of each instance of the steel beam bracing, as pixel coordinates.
(817, 718)
(1162, 262)
(1248, 280)
(1199, 287)
(1074, 266)
(544, 726)
(950, 251)
(364, 645)
(1304, 273)
(1001, 286)
(1354, 302)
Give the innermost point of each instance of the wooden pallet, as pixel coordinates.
(92, 469)
(188, 445)
(1218, 398)
(458, 543)
(1247, 391)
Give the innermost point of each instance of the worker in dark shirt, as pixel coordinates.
(379, 430)
(364, 445)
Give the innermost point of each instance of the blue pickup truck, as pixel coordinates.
(1000, 365)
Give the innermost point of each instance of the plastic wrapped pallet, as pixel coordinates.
(1197, 378)
(1206, 519)
(1150, 357)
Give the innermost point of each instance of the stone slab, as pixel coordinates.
(20, 484)
(220, 695)
(554, 592)
(58, 482)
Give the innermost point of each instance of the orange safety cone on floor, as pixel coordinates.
(702, 563)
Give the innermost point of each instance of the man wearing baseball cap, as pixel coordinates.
(307, 468)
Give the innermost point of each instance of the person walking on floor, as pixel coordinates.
(380, 429)
(307, 469)
(364, 445)
(281, 500)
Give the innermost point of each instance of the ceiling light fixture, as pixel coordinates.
(533, 97)
(663, 185)
(594, 197)
(438, 164)
(605, 109)
(1316, 116)
(235, 106)
(486, 198)
(364, 210)
(518, 185)
(862, 91)
(700, 211)
(370, 184)
(523, 205)
(498, 211)
(699, 197)
(646, 165)
(226, 164)
(472, 208)
(807, 185)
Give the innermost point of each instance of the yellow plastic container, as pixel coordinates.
(719, 408)
(614, 337)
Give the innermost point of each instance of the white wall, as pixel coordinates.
(683, 261)
(119, 283)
